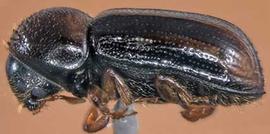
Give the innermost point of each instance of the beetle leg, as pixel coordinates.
(122, 113)
(68, 99)
(114, 85)
(100, 98)
(171, 91)
(167, 88)
(155, 100)
(196, 112)
(205, 100)
(93, 123)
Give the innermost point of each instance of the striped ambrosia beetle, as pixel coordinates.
(134, 55)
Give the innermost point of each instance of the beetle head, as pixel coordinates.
(28, 86)
(52, 42)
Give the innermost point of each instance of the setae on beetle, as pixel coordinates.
(157, 56)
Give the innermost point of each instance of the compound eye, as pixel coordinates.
(38, 93)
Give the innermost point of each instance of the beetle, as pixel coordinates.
(134, 55)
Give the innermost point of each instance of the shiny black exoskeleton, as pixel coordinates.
(64, 48)
(27, 85)
(52, 41)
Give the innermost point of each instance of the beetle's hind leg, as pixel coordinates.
(171, 91)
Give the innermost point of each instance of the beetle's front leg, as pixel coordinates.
(35, 105)
(68, 99)
(112, 87)
(93, 122)
(115, 86)
(171, 91)
(100, 98)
